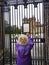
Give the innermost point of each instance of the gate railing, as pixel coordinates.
(39, 44)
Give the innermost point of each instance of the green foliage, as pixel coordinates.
(12, 29)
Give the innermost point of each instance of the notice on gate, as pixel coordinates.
(25, 27)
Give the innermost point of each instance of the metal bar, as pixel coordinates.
(10, 38)
(44, 33)
(17, 21)
(19, 17)
(15, 33)
(32, 31)
(27, 13)
(22, 18)
(24, 14)
(2, 32)
(29, 17)
(40, 30)
(38, 34)
(12, 35)
(35, 33)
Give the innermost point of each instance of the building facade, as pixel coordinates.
(35, 27)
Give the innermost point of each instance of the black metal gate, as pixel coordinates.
(19, 17)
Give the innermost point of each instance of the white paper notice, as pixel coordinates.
(26, 28)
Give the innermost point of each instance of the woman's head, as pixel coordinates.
(27, 34)
(23, 39)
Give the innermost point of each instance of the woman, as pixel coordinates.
(23, 49)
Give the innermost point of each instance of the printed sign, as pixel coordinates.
(26, 27)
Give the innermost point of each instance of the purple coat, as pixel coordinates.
(24, 53)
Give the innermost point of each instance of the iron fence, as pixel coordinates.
(13, 18)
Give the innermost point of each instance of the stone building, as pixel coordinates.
(35, 27)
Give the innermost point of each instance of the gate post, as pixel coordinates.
(1, 16)
(46, 21)
(1, 34)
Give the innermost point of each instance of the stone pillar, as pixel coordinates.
(0, 29)
(46, 20)
(1, 19)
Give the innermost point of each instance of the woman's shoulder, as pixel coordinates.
(17, 44)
